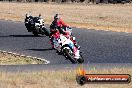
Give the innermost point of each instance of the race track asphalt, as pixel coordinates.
(97, 46)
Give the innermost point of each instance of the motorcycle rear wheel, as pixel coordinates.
(35, 33)
(46, 32)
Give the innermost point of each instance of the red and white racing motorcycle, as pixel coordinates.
(65, 45)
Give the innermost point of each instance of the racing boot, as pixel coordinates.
(51, 42)
(77, 46)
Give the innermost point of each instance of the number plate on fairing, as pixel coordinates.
(71, 45)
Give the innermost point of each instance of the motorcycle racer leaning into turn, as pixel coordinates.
(60, 25)
(35, 25)
(28, 19)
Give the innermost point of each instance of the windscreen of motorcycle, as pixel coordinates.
(37, 25)
(69, 30)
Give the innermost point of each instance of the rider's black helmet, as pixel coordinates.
(56, 17)
(27, 15)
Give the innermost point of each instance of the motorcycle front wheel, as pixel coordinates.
(69, 56)
(80, 60)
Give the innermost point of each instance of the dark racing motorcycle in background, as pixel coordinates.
(36, 25)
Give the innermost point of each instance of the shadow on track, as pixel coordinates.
(25, 36)
(40, 49)
(21, 36)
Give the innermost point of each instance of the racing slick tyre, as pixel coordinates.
(69, 56)
(80, 60)
(46, 32)
(35, 33)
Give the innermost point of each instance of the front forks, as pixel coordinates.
(76, 53)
